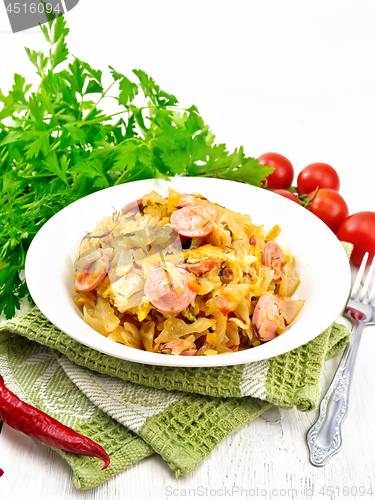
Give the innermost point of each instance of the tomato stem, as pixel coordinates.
(306, 200)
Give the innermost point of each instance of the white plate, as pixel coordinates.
(320, 259)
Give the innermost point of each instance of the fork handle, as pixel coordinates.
(324, 438)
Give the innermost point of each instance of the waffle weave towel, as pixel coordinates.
(134, 410)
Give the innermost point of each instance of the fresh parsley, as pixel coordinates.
(57, 145)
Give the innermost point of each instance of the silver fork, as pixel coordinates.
(324, 438)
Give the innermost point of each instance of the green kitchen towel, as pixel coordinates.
(278, 380)
(133, 410)
(32, 372)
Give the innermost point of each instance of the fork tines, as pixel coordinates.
(366, 285)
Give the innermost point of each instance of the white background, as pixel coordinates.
(295, 77)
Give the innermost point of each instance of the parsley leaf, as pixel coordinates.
(94, 169)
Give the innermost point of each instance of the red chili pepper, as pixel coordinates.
(35, 423)
(252, 241)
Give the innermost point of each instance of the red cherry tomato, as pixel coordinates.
(286, 194)
(282, 176)
(359, 229)
(330, 207)
(317, 175)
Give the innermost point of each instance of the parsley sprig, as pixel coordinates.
(57, 145)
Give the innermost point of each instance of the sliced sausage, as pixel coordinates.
(201, 267)
(89, 279)
(274, 259)
(189, 352)
(177, 347)
(186, 199)
(166, 299)
(194, 220)
(266, 316)
(135, 206)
